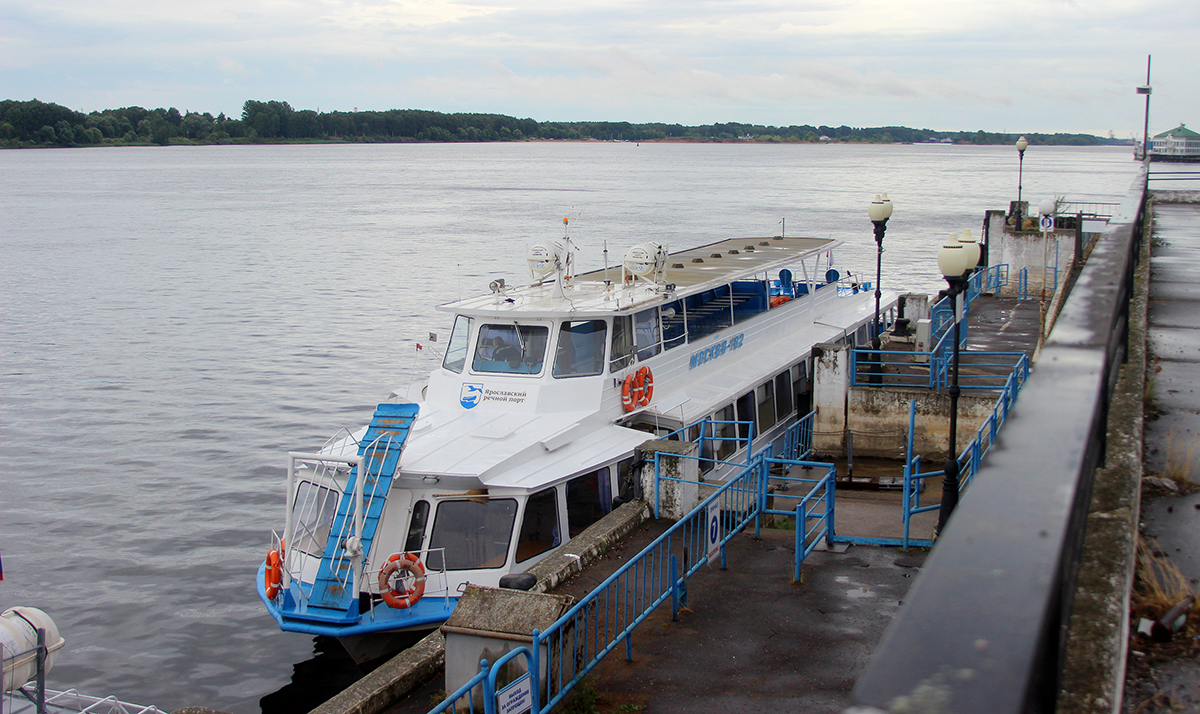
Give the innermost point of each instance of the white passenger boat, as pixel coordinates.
(526, 434)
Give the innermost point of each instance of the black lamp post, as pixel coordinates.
(956, 260)
(1022, 144)
(879, 211)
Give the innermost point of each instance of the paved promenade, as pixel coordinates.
(750, 639)
(1174, 327)
(1173, 436)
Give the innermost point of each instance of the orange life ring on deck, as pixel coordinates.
(273, 573)
(627, 391)
(645, 384)
(399, 596)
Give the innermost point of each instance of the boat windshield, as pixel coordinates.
(511, 349)
(456, 350)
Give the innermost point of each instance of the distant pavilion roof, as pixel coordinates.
(1178, 132)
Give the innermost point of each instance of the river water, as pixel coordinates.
(173, 320)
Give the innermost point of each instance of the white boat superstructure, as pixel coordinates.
(527, 432)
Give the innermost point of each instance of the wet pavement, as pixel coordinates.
(751, 639)
(1173, 435)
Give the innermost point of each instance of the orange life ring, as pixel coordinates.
(645, 384)
(273, 573)
(627, 399)
(397, 595)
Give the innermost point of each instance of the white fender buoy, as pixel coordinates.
(18, 640)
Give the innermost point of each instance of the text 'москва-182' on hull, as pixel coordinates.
(526, 434)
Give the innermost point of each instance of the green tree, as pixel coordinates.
(64, 132)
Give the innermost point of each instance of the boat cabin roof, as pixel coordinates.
(695, 270)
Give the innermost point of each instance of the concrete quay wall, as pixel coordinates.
(420, 663)
(876, 415)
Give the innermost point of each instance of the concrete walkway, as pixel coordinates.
(1173, 437)
(1172, 434)
(750, 639)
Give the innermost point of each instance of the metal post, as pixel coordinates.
(950, 479)
(830, 506)
(876, 342)
(801, 531)
(535, 670)
(41, 671)
(674, 589)
(1020, 180)
(1078, 261)
(1146, 125)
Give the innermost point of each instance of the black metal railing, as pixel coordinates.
(984, 627)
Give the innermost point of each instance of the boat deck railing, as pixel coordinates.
(34, 697)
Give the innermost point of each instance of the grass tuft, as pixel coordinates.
(1159, 586)
(1179, 461)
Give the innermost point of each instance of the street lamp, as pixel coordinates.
(1145, 89)
(955, 262)
(1022, 145)
(974, 250)
(879, 211)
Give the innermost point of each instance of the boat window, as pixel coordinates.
(588, 500)
(783, 395)
(539, 527)
(766, 406)
(625, 479)
(416, 527)
(745, 411)
(511, 349)
(475, 533)
(646, 333)
(800, 388)
(456, 349)
(673, 332)
(622, 343)
(697, 433)
(725, 432)
(580, 348)
(749, 298)
(312, 514)
(708, 312)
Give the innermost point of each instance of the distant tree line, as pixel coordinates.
(40, 124)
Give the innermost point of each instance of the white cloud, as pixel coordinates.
(991, 64)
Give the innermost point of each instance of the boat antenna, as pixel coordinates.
(783, 229)
(570, 257)
(606, 280)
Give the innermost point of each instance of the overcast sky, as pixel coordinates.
(1016, 66)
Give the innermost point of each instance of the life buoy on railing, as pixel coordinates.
(627, 399)
(396, 594)
(273, 573)
(644, 385)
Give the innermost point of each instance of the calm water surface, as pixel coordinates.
(173, 320)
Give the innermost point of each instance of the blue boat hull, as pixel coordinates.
(427, 613)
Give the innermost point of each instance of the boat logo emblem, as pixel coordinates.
(471, 395)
